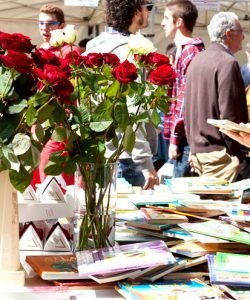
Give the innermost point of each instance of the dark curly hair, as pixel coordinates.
(119, 13)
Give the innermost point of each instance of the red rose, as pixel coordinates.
(111, 59)
(63, 89)
(125, 72)
(93, 59)
(16, 42)
(157, 59)
(73, 58)
(44, 56)
(163, 74)
(18, 61)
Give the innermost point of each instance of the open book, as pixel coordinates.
(228, 125)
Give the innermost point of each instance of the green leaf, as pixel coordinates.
(59, 134)
(129, 139)
(103, 111)
(21, 179)
(21, 143)
(53, 169)
(100, 126)
(113, 89)
(31, 115)
(8, 124)
(18, 107)
(121, 115)
(5, 82)
(45, 113)
(35, 152)
(10, 160)
(39, 98)
(155, 118)
(39, 132)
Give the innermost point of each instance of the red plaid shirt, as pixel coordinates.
(174, 121)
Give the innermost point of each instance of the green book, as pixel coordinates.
(218, 229)
(233, 262)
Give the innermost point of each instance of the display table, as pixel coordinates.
(38, 289)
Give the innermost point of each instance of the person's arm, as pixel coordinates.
(241, 137)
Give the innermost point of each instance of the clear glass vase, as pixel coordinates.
(95, 213)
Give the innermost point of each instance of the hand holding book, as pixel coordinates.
(238, 132)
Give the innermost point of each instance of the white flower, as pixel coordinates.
(57, 38)
(138, 44)
(70, 34)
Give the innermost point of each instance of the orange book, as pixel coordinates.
(161, 217)
(54, 267)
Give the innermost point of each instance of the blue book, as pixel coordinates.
(187, 289)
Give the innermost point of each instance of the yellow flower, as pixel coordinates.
(57, 38)
(70, 34)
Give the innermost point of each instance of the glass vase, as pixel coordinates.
(95, 220)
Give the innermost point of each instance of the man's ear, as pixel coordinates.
(179, 23)
(228, 34)
(62, 25)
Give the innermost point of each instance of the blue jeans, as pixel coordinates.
(181, 164)
(131, 172)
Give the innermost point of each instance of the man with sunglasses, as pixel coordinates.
(51, 18)
(125, 17)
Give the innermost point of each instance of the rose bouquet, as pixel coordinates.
(87, 102)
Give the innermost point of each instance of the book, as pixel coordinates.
(219, 229)
(122, 258)
(110, 277)
(198, 185)
(180, 264)
(237, 292)
(156, 216)
(233, 269)
(228, 125)
(130, 235)
(189, 249)
(54, 267)
(142, 223)
(169, 289)
(187, 275)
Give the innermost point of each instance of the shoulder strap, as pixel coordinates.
(112, 50)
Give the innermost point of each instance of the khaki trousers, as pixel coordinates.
(217, 164)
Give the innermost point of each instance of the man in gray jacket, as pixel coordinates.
(125, 17)
(215, 90)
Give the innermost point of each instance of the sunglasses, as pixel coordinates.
(149, 6)
(48, 23)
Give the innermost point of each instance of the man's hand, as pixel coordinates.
(173, 151)
(151, 179)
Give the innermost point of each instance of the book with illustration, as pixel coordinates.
(219, 229)
(229, 268)
(121, 258)
(198, 185)
(167, 289)
(54, 267)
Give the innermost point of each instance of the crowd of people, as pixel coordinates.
(208, 84)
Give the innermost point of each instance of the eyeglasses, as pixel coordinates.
(149, 6)
(48, 23)
(237, 30)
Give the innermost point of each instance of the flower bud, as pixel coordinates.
(138, 44)
(70, 34)
(57, 38)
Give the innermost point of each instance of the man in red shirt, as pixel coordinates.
(178, 22)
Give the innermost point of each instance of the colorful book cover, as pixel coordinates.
(233, 262)
(219, 229)
(54, 267)
(170, 289)
(121, 258)
(226, 277)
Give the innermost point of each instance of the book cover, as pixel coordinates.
(156, 216)
(218, 229)
(223, 276)
(228, 125)
(122, 258)
(170, 289)
(237, 292)
(142, 223)
(54, 267)
(198, 185)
